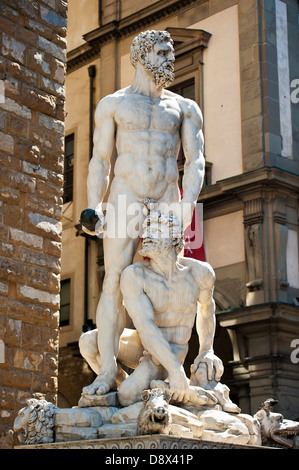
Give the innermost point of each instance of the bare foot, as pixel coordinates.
(103, 384)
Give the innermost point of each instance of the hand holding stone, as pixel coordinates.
(92, 221)
(213, 363)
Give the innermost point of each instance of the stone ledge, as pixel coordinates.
(150, 442)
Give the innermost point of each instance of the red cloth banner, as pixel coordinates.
(194, 246)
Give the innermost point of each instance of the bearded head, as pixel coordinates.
(143, 45)
(162, 233)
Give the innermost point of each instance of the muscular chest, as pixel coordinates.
(172, 296)
(147, 114)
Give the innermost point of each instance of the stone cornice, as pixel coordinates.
(256, 314)
(126, 26)
(240, 188)
(189, 39)
(80, 56)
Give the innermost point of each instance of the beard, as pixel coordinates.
(154, 249)
(150, 251)
(163, 75)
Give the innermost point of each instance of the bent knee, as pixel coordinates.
(88, 343)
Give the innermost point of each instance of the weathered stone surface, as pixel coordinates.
(117, 430)
(223, 427)
(106, 412)
(127, 414)
(72, 433)
(181, 431)
(253, 428)
(78, 417)
(87, 423)
(186, 419)
(6, 143)
(110, 399)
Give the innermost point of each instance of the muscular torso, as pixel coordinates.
(147, 142)
(170, 304)
(174, 302)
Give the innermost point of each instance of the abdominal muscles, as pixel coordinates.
(147, 161)
(147, 176)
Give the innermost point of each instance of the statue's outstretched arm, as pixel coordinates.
(193, 145)
(206, 325)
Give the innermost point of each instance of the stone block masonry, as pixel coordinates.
(32, 93)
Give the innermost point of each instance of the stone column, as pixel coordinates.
(251, 86)
(268, 209)
(266, 248)
(254, 249)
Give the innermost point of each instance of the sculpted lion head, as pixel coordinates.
(34, 423)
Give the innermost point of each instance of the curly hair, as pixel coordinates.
(144, 42)
(168, 226)
(37, 421)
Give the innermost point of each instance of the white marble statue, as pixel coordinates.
(163, 295)
(147, 123)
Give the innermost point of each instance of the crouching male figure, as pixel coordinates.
(163, 294)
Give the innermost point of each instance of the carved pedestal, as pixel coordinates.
(152, 442)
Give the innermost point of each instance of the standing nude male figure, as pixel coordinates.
(147, 124)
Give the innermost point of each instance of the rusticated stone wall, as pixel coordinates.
(32, 76)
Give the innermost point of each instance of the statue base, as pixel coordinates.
(108, 426)
(149, 442)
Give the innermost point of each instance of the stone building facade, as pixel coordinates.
(32, 95)
(239, 60)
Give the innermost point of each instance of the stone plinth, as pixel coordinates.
(150, 442)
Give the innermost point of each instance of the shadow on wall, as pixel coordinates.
(73, 374)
